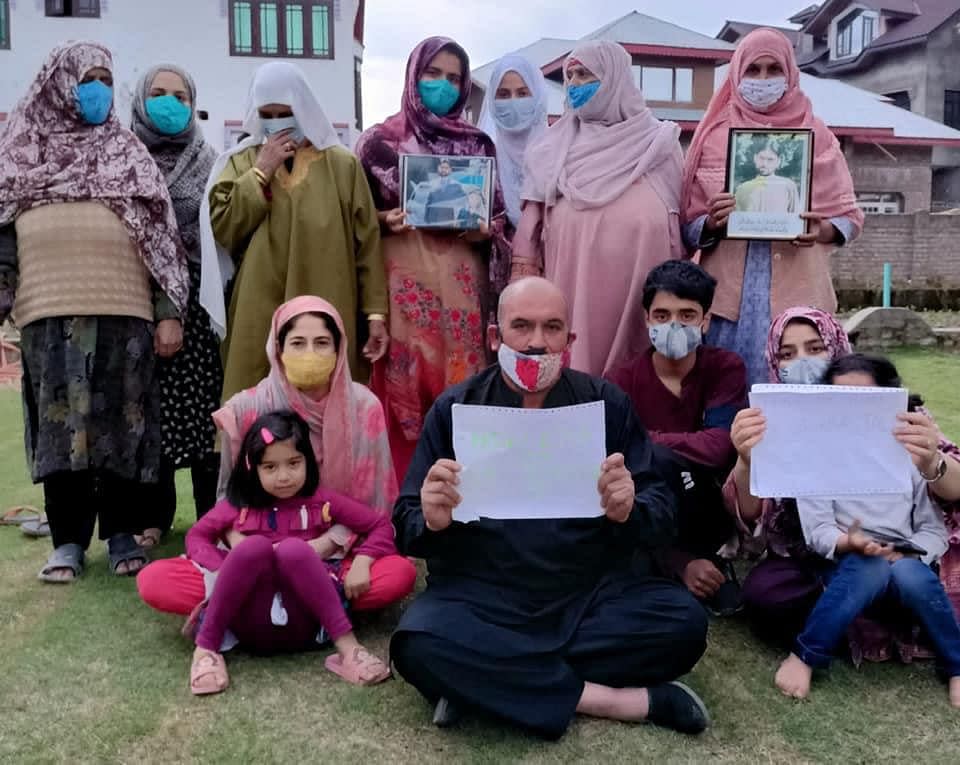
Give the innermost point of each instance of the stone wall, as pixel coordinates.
(880, 329)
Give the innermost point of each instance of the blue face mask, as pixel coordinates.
(168, 114)
(279, 124)
(439, 96)
(807, 370)
(578, 95)
(93, 100)
(515, 113)
(675, 340)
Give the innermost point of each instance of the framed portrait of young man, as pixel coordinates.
(446, 192)
(769, 173)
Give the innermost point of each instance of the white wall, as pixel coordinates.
(191, 33)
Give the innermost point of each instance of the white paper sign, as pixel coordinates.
(529, 463)
(829, 441)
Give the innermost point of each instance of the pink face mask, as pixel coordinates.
(532, 372)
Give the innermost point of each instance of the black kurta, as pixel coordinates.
(521, 590)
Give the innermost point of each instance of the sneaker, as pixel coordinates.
(445, 714)
(727, 600)
(675, 706)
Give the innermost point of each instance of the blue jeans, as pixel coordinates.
(859, 580)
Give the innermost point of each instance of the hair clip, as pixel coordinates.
(267, 436)
(246, 461)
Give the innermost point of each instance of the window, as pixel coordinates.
(79, 8)
(880, 202)
(854, 33)
(4, 24)
(357, 92)
(286, 28)
(664, 83)
(951, 108)
(900, 98)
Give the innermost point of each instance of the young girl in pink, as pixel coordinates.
(274, 590)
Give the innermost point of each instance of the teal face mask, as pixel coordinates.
(169, 115)
(580, 94)
(439, 96)
(93, 100)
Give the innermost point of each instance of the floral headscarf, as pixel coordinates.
(831, 332)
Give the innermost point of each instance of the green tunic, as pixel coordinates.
(317, 234)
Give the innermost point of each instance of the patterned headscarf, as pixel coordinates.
(831, 332)
(417, 130)
(48, 154)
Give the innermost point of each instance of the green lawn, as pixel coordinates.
(90, 674)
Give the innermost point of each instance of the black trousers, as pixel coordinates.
(75, 500)
(647, 634)
(160, 499)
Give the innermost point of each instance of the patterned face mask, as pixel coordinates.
(532, 372)
(807, 370)
(762, 94)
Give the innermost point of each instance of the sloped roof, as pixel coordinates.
(932, 15)
(640, 29)
(743, 28)
(542, 52)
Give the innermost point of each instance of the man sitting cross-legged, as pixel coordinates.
(532, 621)
(686, 395)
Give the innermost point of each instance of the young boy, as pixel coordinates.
(686, 395)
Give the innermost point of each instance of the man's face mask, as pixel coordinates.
(675, 340)
(762, 94)
(533, 371)
(807, 370)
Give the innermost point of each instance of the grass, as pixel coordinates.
(90, 674)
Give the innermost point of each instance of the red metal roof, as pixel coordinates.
(660, 51)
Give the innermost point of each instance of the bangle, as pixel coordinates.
(938, 472)
(376, 317)
(260, 176)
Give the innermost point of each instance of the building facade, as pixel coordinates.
(220, 42)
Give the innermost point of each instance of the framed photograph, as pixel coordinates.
(769, 173)
(446, 192)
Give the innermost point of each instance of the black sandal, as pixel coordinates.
(123, 548)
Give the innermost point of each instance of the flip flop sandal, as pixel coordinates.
(123, 548)
(365, 669)
(208, 674)
(69, 556)
(20, 513)
(36, 528)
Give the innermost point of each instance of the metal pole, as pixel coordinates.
(887, 281)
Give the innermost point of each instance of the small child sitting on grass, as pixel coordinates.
(884, 545)
(274, 591)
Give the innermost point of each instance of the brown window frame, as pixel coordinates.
(5, 18)
(65, 9)
(256, 46)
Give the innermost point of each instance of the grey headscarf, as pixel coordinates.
(184, 159)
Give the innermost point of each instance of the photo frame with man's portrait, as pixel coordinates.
(446, 192)
(770, 173)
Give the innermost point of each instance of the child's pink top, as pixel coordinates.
(299, 517)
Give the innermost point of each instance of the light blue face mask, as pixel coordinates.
(807, 370)
(439, 96)
(93, 100)
(578, 95)
(675, 340)
(168, 114)
(515, 113)
(274, 125)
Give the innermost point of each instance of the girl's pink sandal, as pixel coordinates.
(208, 674)
(362, 669)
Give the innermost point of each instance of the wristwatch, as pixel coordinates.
(938, 473)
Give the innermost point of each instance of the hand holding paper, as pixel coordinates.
(439, 496)
(616, 489)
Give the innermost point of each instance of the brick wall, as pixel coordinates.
(923, 249)
(902, 169)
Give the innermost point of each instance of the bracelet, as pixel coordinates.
(376, 317)
(938, 472)
(260, 176)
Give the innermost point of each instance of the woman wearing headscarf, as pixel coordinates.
(309, 374)
(443, 285)
(602, 194)
(760, 279)
(514, 115)
(780, 591)
(164, 118)
(101, 271)
(289, 210)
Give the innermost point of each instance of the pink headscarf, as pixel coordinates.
(592, 155)
(834, 336)
(832, 193)
(347, 428)
(48, 154)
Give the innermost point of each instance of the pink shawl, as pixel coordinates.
(834, 336)
(49, 155)
(703, 177)
(347, 428)
(591, 156)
